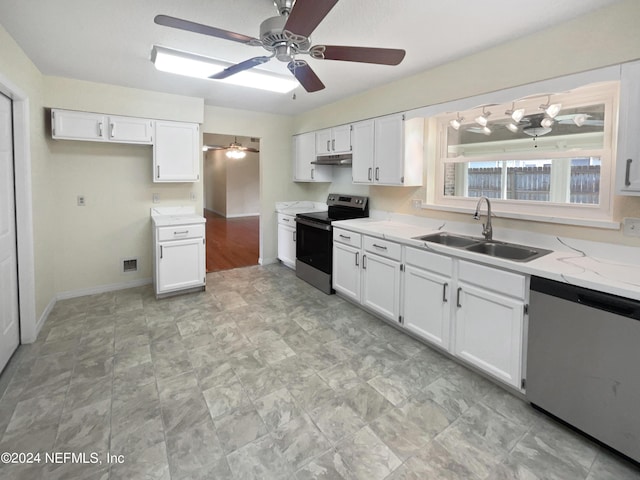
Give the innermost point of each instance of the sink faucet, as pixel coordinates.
(487, 230)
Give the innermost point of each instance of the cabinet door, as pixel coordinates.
(488, 332)
(323, 142)
(304, 152)
(628, 161)
(362, 154)
(427, 305)
(130, 130)
(341, 139)
(176, 152)
(346, 271)
(389, 150)
(381, 285)
(287, 245)
(69, 125)
(181, 264)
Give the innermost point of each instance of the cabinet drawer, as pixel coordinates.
(429, 261)
(180, 232)
(284, 219)
(347, 237)
(500, 281)
(383, 248)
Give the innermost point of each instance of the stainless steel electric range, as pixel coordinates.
(314, 238)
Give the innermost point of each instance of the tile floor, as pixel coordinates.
(264, 377)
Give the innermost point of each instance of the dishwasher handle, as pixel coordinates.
(610, 304)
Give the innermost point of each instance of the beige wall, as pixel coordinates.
(16, 67)
(243, 185)
(90, 242)
(605, 37)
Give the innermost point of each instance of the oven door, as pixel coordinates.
(314, 244)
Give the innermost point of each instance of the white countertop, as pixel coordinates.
(171, 216)
(608, 268)
(294, 208)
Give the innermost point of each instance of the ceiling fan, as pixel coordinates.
(234, 149)
(287, 36)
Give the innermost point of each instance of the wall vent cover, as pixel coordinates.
(130, 265)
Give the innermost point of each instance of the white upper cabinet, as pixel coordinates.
(130, 130)
(71, 125)
(388, 151)
(304, 152)
(333, 140)
(628, 162)
(97, 127)
(176, 152)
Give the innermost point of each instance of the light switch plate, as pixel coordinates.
(631, 227)
(416, 203)
(156, 198)
(81, 201)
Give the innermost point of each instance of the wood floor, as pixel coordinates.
(231, 242)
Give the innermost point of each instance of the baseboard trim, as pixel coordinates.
(103, 289)
(43, 318)
(240, 215)
(266, 261)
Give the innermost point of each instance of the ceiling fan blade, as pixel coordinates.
(306, 15)
(380, 56)
(240, 67)
(307, 77)
(249, 149)
(173, 22)
(214, 147)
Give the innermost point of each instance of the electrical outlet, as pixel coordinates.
(631, 227)
(416, 203)
(81, 202)
(156, 198)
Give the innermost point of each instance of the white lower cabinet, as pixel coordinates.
(179, 259)
(346, 270)
(426, 296)
(287, 240)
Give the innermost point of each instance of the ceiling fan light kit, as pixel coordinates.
(551, 109)
(286, 37)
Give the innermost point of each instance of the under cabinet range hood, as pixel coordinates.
(343, 159)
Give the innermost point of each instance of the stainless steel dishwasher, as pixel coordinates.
(583, 361)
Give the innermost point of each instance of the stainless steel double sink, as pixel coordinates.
(492, 248)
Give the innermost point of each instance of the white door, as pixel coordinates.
(346, 271)
(389, 149)
(362, 155)
(287, 245)
(9, 317)
(181, 264)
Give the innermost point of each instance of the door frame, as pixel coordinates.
(24, 209)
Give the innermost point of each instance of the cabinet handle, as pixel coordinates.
(181, 233)
(160, 251)
(444, 292)
(328, 147)
(294, 236)
(345, 236)
(333, 145)
(381, 247)
(100, 129)
(357, 255)
(364, 262)
(158, 171)
(377, 173)
(312, 172)
(113, 130)
(370, 172)
(627, 173)
(458, 304)
(285, 219)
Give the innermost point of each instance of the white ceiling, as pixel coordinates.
(110, 41)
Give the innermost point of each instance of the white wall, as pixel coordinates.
(604, 37)
(243, 186)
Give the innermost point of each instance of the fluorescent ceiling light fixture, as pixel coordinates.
(197, 66)
(456, 122)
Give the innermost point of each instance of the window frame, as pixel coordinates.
(606, 93)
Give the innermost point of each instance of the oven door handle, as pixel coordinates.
(309, 223)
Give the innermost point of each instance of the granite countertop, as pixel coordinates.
(170, 216)
(294, 208)
(598, 266)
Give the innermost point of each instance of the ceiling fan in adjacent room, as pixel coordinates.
(286, 37)
(234, 150)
